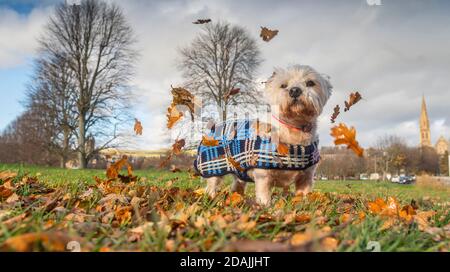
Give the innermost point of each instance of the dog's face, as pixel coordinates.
(299, 92)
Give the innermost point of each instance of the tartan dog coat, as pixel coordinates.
(240, 149)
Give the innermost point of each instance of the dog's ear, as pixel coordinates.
(271, 77)
(328, 85)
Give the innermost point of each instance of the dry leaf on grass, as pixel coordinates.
(7, 175)
(345, 136)
(113, 170)
(137, 127)
(267, 34)
(353, 99)
(47, 241)
(336, 112)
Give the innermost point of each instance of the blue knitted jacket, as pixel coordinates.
(240, 149)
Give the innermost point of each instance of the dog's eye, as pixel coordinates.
(310, 83)
(283, 86)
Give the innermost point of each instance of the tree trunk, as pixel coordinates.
(82, 142)
(65, 147)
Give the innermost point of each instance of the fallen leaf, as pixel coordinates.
(47, 241)
(353, 99)
(235, 164)
(335, 114)
(173, 116)
(201, 21)
(177, 146)
(267, 34)
(137, 127)
(234, 199)
(345, 136)
(209, 141)
(283, 149)
(181, 96)
(7, 175)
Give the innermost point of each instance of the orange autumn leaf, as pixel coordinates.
(173, 116)
(235, 164)
(49, 241)
(345, 136)
(353, 99)
(137, 127)
(303, 218)
(209, 141)
(234, 199)
(377, 206)
(267, 34)
(113, 171)
(407, 213)
(283, 149)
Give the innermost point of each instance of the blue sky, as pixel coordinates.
(392, 54)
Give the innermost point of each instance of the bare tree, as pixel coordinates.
(96, 42)
(27, 140)
(52, 93)
(220, 59)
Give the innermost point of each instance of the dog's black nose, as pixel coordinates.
(295, 92)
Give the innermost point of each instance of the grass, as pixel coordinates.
(177, 218)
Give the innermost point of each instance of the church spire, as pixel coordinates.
(425, 134)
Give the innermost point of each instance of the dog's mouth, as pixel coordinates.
(301, 105)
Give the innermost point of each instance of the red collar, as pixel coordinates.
(304, 128)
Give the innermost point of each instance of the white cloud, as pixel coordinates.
(18, 35)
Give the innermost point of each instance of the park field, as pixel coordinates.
(49, 209)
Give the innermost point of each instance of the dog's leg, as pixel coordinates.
(263, 188)
(212, 185)
(304, 182)
(238, 186)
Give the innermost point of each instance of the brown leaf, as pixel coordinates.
(182, 96)
(235, 164)
(345, 136)
(201, 21)
(177, 146)
(137, 127)
(7, 175)
(209, 141)
(173, 116)
(48, 241)
(283, 149)
(353, 99)
(113, 171)
(335, 114)
(267, 34)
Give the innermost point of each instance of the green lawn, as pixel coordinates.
(317, 222)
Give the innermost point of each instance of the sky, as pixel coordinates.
(393, 54)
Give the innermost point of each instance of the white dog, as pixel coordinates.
(296, 96)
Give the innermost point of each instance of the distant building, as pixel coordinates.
(425, 133)
(442, 145)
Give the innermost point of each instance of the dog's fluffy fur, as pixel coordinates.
(293, 112)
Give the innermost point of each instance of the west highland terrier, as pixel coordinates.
(277, 154)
